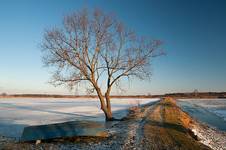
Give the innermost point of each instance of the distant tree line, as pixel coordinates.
(4, 94)
(197, 94)
(175, 95)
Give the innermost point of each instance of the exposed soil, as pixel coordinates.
(158, 126)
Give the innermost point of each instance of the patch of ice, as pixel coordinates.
(221, 113)
(16, 113)
(216, 106)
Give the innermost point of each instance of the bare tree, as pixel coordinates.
(96, 47)
(195, 92)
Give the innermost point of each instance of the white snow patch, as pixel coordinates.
(210, 137)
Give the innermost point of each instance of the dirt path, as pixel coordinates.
(153, 127)
(135, 128)
(160, 126)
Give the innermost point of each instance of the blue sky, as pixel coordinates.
(193, 32)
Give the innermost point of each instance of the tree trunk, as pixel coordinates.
(105, 108)
(108, 115)
(107, 97)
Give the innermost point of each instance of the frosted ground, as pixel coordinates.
(17, 113)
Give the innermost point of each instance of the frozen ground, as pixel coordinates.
(17, 113)
(210, 111)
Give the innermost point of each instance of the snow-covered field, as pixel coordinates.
(211, 111)
(17, 113)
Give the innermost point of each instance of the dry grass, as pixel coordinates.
(167, 128)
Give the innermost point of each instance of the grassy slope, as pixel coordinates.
(167, 128)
